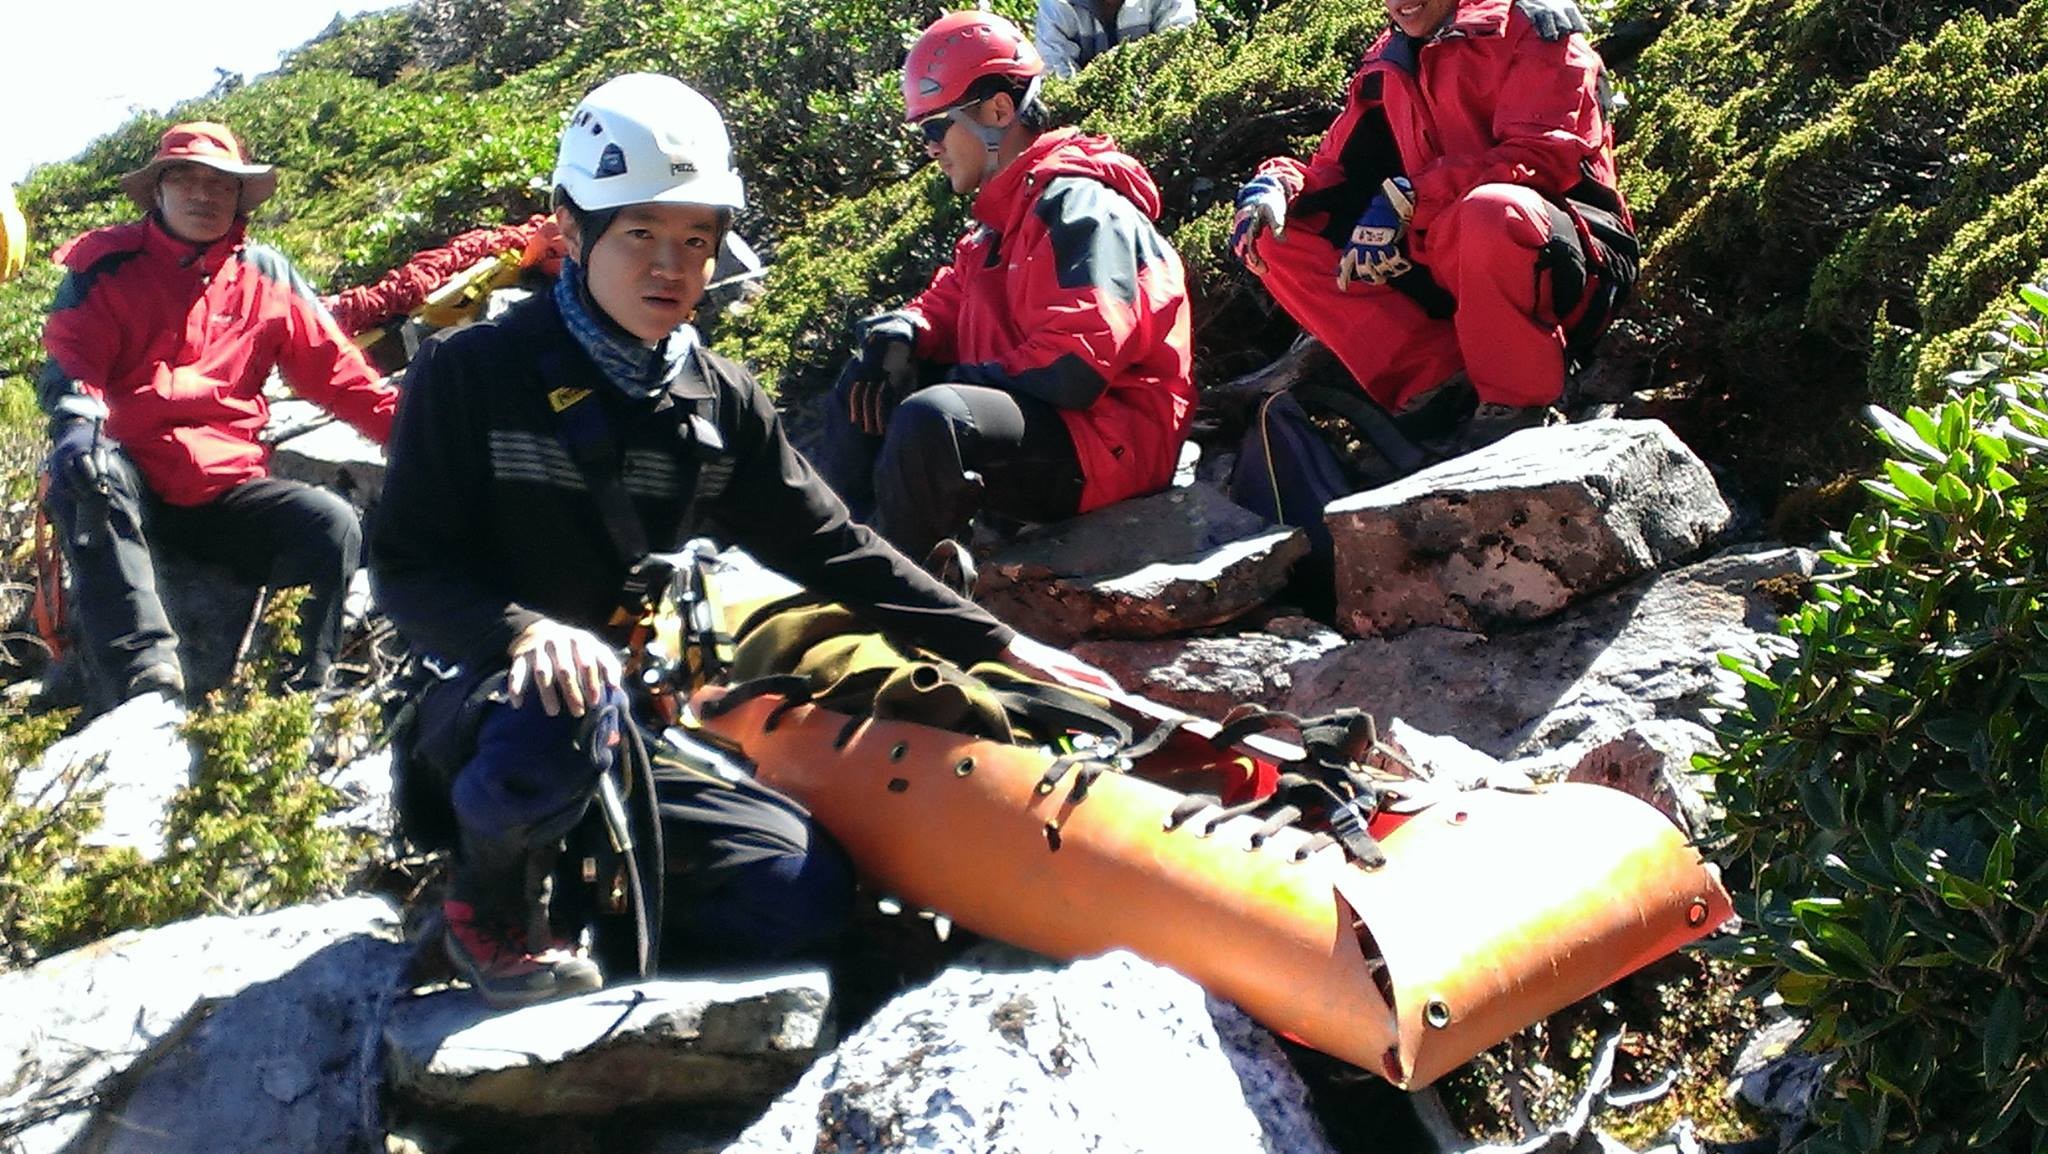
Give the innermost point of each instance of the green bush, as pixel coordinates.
(1838, 197)
(246, 835)
(1886, 781)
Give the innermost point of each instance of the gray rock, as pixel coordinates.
(1554, 691)
(1652, 760)
(330, 453)
(1773, 1075)
(1520, 529)
(1110, 1054)
(1168, 563)
(730, 1044)
(1209, 676)
(217, 1034)
(367, 805)
(133, 757)
(210, 611)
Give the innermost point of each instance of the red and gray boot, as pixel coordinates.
(498, 934)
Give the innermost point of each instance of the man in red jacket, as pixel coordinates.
(1046, 371)
(1458, 239)
(159, 343)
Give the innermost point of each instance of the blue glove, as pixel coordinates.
(1554, 19)
(82, 459)
(1377, 251)
(1261, 205)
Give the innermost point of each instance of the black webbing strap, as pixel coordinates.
(585, 433)
(1329, 786)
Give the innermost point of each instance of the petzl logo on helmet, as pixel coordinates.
(681, 168)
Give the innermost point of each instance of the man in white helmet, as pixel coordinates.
(537, 460)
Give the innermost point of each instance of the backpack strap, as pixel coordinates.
(585, 433)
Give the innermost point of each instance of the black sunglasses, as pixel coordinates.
(933, 129)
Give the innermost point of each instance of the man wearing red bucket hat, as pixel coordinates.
(159, 342)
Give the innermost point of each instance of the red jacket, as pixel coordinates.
(1486, 100)
(1066, 286)
(177, 342)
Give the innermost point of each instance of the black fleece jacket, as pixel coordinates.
(486, 524)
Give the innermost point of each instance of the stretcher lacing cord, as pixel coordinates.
(1335, 740)
(1284, 809)
(1094, 765)
(1091, 766)
(1283, 817)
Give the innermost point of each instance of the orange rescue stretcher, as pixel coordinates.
(1492, 910)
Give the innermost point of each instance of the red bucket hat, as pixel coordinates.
(201, 142)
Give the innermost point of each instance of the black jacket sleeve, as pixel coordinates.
(778, 509)
(430, 558)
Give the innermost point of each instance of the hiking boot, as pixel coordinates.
(954, 567)
(1437, 414)
(497, 962)
(160, 678)
(1491, 422)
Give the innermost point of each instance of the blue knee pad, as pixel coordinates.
(532, 775)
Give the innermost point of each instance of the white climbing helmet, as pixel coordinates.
(647, 139)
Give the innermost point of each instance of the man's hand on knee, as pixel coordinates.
(567, 667)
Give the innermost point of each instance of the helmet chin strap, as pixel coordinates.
(991, 143)
(992, 137)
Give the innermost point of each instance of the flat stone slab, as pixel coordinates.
(724, 1043)
(1174, 561)
(1520, 529)
(1210, 676)
(134, 757)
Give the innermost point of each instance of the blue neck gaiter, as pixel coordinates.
(637, 370)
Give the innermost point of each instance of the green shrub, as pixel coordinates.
(1886, 781)
(246, 835)
(1831, 190)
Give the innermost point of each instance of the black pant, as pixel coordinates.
(950, 451)
(267, 531)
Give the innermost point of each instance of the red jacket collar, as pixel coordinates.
(209, 257)
(88, 249)
(1476, 18)
(1063, 152)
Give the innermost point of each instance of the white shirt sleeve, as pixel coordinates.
(1172, 14)
(1055, 34)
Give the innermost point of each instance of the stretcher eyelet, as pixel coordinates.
(1696, 912)
(897, 750)
(1436, 1014)
(965, 767)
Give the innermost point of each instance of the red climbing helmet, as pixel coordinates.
(957, 50)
